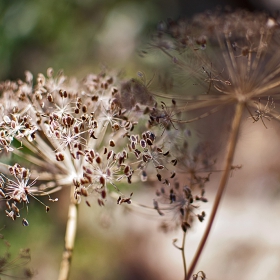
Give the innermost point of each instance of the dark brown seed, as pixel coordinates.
(98, 160)
(112, 143)
(103, 194)
(159, 177)
(159, 167)
(149, 142)
(126, 170)
(102, 181)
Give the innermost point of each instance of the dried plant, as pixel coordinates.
(221, 58)
(92, 134)
(87, 135)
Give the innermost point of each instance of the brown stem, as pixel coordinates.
(228, 163)
(183, 254)
(70, 234)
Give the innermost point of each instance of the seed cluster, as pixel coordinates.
(91, 134)
(221, 58)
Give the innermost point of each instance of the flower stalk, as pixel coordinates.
(70, 234)
(228, 163)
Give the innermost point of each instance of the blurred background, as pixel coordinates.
(83, 36)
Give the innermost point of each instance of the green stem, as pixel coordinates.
(70, 235)
(228, 163)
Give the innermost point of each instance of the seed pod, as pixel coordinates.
(133, 145)
(98, 160)
(159, 150)
(25, 222)
(50, 97)
(103, 194)
(112, 143)
(149, 142)
(102, 180)
(143, 143)
(166, 153)
(159, 177)
(126, 170)
(84, 108)
(133, 138)
(160, 167)
(84, 192)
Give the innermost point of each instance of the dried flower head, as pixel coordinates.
(179, 204)
(225, 58)
(222, 58)
(79, 134)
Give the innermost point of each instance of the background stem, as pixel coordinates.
(228, 163)
(183, 254)
(70, 234)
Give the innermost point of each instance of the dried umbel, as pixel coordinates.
(76, 134)
(216, 59)
(224, 58)
(90, 135)
(82, 134)
(178, 203)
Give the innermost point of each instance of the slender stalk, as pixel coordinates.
(70, 234)
(183, 254)
(228, 163)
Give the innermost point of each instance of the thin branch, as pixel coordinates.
(228, 163)
(70, 234)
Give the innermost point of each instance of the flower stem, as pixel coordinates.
(70, 234)
(228, 163)
(183, 254)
